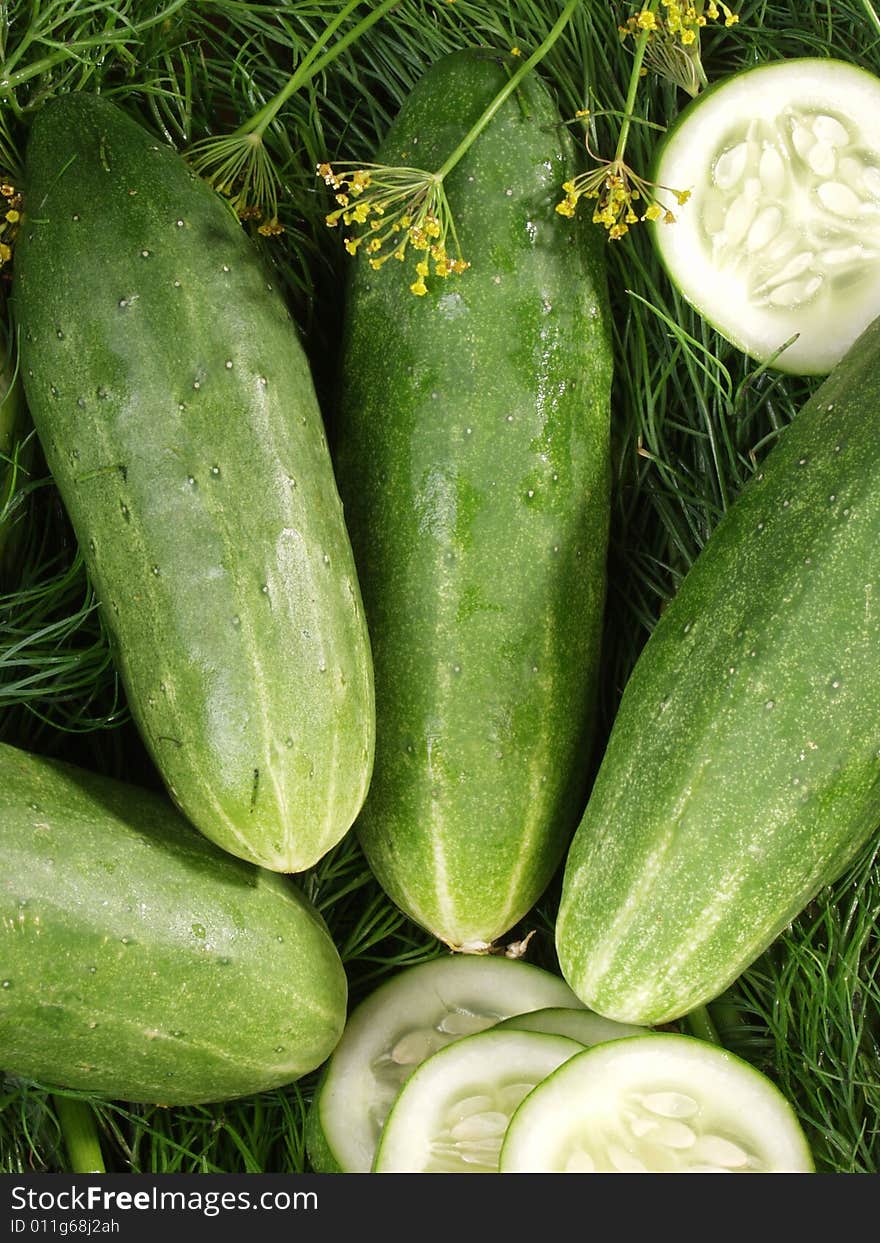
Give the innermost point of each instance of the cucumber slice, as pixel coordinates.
(452, 1113)
(406, 1020)
(781, 234)
(655, 1104)
(583, 1026)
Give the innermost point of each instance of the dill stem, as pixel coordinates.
(9, 81)
(313, 63)
(872, 14)
(629, 106)
(701, 1025)
(505, 93)
(80, 1135)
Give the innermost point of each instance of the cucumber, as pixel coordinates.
(140, 962)
(417, 1012)
(451, 1115)
(472, 458)
(655, 1104)
(781, 234)
(580, 1025)
(743, 769)
(178, 417)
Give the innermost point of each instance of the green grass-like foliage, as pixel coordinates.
(691, 419)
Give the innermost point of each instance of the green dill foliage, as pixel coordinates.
(692, 419)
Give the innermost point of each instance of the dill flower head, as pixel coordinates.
(10, 219)
(621, 197)
(391, 213)
(240, 168)
(673, 38)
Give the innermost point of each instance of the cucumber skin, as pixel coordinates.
(139, 961)
(742, 770)
(485, 638)
(232, 601)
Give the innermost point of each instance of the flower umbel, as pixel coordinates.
(10, 219)
(673, 38)
(239, 166)
(622, 197)
(391, 212)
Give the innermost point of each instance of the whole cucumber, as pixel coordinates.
(473, 459)
(743, 769)
(140, 962)
(176, 409)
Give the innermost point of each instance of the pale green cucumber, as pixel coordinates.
(138, 961)
(472, 456)
(417, 1012)
(580, 1025)
(655, 1104)
(743, 768)
(780, 237)
(452, 1114)
(177, 413)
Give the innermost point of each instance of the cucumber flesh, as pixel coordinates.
(655, 1104)
(583, 1026)
(414, 1015)
(452, 1114)
(781, 233)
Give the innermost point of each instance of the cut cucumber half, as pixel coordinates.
(452, 1113)
(583, 1026)
(406, 1020)
(781, 233)
(655, 1104)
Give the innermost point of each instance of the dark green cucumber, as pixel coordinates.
(176, 409)
(472, 455)
(743, 769)
(137, 960)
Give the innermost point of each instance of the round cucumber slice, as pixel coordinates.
(406, 1020)
(781, 233)
(583, 1026)
(452, 1113)
(655, 1104)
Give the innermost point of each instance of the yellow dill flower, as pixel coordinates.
(615, 189)
(271, 228)
(13, 216)
(401, 211)
(514, 51)
(239, 167)
(671, 37)
(5, 253)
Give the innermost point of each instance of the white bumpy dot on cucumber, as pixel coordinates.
(743, 768)
(140, 962)
(472, 457)
(452, 1113)
(417, 1012)
(177, 413)
(655, 1104)
(781, 233)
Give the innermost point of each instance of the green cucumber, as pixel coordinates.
(472, 457)
(780, 237)
(743, 768)
(451, 1115)
(177, 413)
(140, 962)
(410, 1017)
(580, 1025)
(655, 1104)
